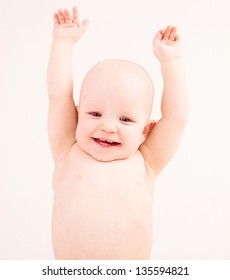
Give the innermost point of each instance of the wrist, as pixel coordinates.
(174, 56)
(175, 62)
(63, 42)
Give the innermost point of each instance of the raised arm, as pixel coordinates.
(163, 140)
(62, 118)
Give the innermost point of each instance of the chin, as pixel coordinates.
(107, 158)
(106, 155)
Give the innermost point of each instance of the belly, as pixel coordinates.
(102, 223)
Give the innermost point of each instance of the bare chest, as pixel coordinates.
(98, 204)
(84, 177)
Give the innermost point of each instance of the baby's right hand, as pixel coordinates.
(68, 27)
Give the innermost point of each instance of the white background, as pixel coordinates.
(192, 198)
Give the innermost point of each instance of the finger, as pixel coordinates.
(167, 32)
(85, 23)
(61, 16)
(172, 35)
(162, 32)
(158, 35)
(75, 16)
(56, 19)
(177, 38)
(68, 18)
(83, 27)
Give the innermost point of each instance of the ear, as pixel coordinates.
(147, 129)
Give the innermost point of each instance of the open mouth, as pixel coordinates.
(106, 142)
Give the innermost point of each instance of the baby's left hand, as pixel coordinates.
(166, 44)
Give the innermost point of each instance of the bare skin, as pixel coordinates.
(108, 153)
(97, 215)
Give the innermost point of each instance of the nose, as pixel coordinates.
(109, 127)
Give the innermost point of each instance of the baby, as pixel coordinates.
(108, 153)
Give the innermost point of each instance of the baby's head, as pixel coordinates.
(114, 110)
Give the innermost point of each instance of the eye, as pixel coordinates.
(95, 114)
(125, 119)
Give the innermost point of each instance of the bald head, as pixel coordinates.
(121, 78)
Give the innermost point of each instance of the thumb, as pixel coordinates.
(84, 26)
(85, 23)
(158, 36)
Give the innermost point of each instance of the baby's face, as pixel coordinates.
(114, 108)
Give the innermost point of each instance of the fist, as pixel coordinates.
(166, 44)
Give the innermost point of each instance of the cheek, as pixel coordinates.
(84, 131)
(141, 137)
(80, 131)
(134, 136)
